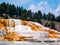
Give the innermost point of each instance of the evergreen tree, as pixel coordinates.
(37, 16)
(52, 24)
(44, 16)
(58, 18)
(51, 17)
(2, 8)
(20, 13)
(29, 15)
(47, 25)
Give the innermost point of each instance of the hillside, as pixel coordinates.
(57, 24)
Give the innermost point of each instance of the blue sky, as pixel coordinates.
(44, 5)
(25, 4)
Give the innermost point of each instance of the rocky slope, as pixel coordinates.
(17, 30)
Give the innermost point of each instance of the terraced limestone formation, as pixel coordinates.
(18, 30)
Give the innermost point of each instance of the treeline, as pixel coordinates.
(10, 10)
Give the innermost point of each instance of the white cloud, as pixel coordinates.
(58, 8)
(57, 11)
(44, 7)
(33, 8)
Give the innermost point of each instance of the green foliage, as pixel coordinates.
(58, 18)
(44, 16)
(52, 24)
(51, 17)
(47, 24)
(21, 13)
(37, 15)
